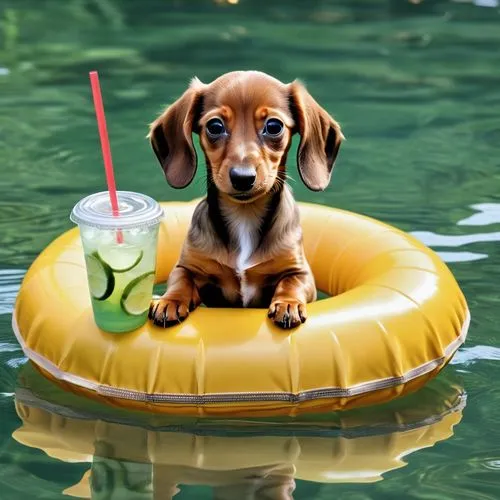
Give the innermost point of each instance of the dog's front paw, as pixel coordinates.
(287, 314)
(166, 312)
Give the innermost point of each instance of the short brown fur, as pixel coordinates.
(244, 247)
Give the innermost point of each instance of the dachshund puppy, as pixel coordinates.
(244, 245)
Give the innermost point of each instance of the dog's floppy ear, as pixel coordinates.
(171, 136)
(320, 138)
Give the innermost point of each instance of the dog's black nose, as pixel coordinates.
(242, 178)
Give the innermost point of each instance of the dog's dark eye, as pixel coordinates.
(215, 127)
(273, 127)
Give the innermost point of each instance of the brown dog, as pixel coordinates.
(244, 246)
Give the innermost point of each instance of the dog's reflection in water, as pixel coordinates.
(112, 479)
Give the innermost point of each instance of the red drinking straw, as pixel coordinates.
(106, 150)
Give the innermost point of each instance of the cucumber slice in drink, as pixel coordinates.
(120, 258)
(137, 294)
(100, 275)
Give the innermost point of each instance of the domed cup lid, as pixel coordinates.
(135, 210)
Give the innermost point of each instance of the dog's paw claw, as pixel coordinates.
(166, 312)
(287, 315)
(272, 311)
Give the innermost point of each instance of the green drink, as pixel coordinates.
(120, 256)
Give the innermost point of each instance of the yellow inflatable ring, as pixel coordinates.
(394, 319)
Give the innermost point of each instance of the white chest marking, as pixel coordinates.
(245, 233)
(243, 225)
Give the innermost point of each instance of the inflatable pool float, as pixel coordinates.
(355, 446)
(394, 317)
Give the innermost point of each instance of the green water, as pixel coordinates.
(416, 87)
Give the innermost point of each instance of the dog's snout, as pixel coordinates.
(242, 178)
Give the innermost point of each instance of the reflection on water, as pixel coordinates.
(156, 457)
(476, 353)
(10, 281)
(441, 240)
(484, 3)
(461, 256)
(489, 213)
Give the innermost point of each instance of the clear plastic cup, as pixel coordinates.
(120, 256)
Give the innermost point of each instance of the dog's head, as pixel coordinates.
(246, 120)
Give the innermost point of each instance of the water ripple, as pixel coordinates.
(10, 282)
(442, 240)
(16, 362)
(489, 213)
(7, 347)
(461, 256)
(470, 355)
(14, 212)
(492, 464)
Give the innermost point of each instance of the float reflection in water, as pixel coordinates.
(134, 455)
